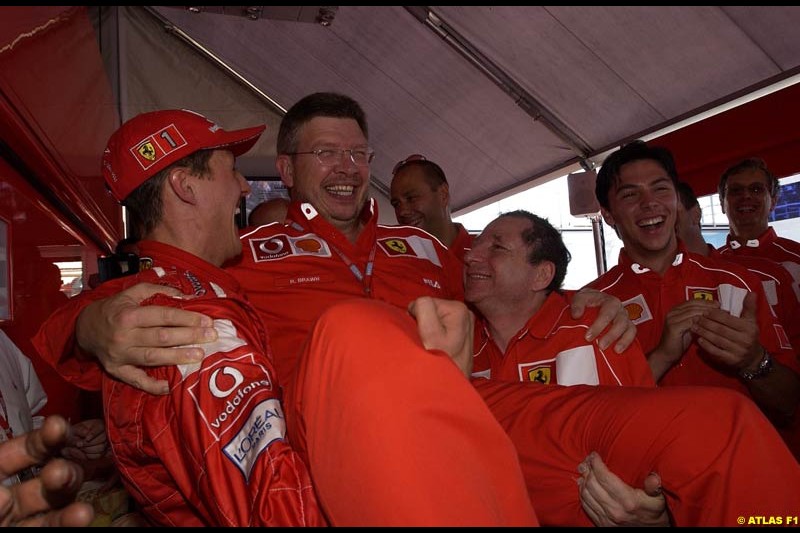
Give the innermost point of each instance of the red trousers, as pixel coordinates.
(719, 458)
(394, 434)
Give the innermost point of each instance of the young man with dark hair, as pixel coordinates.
(700, 321)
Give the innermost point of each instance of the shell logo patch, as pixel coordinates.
(637, 309)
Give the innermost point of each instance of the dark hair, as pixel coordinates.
(751, 163)
(145, 204)
(432, 172)
(317, 105)
(686, 195)
(634, 151)
(546, 244)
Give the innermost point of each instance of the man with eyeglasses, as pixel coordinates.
(748, 192)
(421, 197)
(332, 249)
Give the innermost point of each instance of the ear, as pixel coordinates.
(695, 215)
(774, 200)
(286, 169)
(444, 194)
(721, 203)
(608, 217)
(182, 183)
(543, 274)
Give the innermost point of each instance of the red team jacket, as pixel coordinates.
(779, 288)
(551, 349)
(221, 425)
(769, 246)
(308, 262)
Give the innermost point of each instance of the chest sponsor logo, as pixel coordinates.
(412, 246)
(637, 309)
(281, 246)
(535, 372)
(265, 425)
(232, 385)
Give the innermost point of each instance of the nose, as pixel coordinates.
(245, 185)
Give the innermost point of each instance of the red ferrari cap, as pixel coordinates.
(150, 142)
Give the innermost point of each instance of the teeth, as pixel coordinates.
(477, 276)
(340, 190)
(651, 221)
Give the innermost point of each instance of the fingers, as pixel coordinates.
(652, 484)
(77, 514)
(136, 377)
(429, 325)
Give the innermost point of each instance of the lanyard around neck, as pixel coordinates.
(365, 278)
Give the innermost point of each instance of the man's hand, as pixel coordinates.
(621, 330)
(87, 441)
(125, 336)
(446, 325)
(677, 334)
(46, 500)
(609, 501)
(732, 341)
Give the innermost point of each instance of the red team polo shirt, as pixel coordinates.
(551, 349)
(313, 266)
(769, 246)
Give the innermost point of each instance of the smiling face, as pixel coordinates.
(222, 189)
(748, 203)
(338, 192)
(642, 208)
(498, 275)
(417, 203)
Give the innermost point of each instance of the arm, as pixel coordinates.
(46, 500)
(446, 325)
(736, 342)
(609, 501)
(123, 335)
(219, 435)
(611, 317)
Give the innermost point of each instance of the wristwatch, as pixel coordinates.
(764, 368)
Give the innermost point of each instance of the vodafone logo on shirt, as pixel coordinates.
(225, 391)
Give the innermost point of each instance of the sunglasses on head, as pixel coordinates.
(407, 160)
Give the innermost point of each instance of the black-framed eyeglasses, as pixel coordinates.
(755, 189)
(407, 160)
(332, 156)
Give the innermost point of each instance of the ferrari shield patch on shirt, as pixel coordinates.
(539, 374)
(637, 309)
(413, 246)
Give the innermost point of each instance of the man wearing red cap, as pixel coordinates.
(421, 198)
(214, 450)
